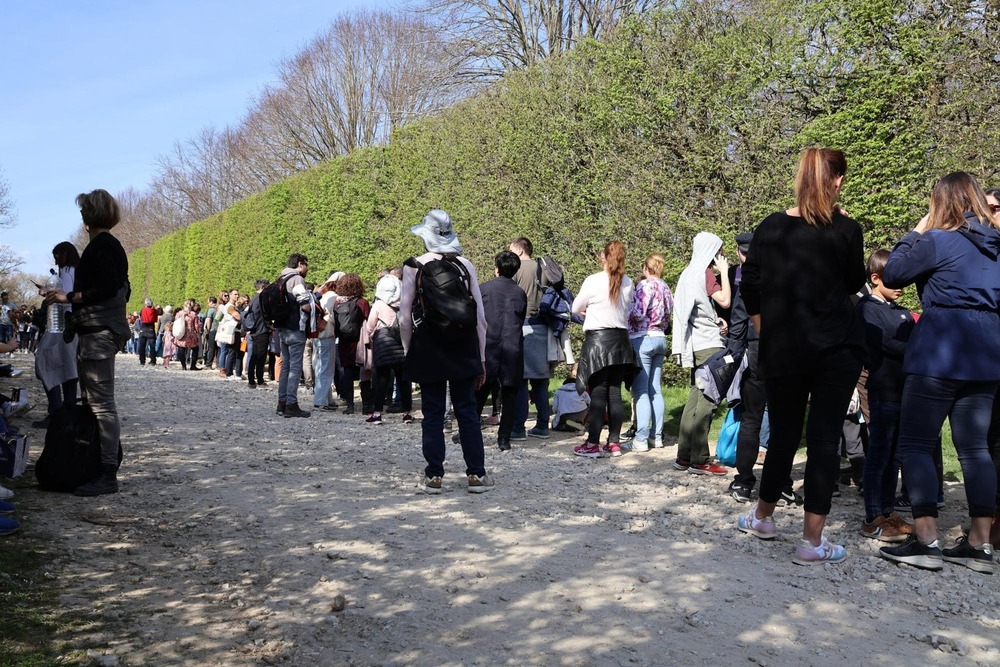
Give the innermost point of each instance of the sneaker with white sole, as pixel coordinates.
(977, 559)
(636, 446)
(826, 552)
(589, 450)
(432, 484)
(5, 493)
(913, 552)
(762, 528)
(481, 484)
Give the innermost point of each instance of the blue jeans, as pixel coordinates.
(323, 349)
(463, 399)
(650, 351)
(881, 469)
(968, 407)
(225, 351)
(293, 345)
(540, 396)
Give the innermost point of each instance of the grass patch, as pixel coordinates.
(32, 617)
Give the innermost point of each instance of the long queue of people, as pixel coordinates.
(793, 320)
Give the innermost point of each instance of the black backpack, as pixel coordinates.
(444, 295)
(72, 453)
(347, 320)
(276, 303)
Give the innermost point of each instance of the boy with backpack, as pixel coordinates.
(443, 329)
(887, 329)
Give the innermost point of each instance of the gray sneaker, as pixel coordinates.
(479, 484)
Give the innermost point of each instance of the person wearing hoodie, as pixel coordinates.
(804, 266)
(952, 366)
(697, 335)
(292, 334)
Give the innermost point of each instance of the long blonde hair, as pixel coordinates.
(952, 196)
(816, 189)
(614, 263)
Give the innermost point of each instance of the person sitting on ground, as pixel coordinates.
(569, 405)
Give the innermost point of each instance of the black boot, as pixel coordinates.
(107, 482)
(281, 408)
(503, 444)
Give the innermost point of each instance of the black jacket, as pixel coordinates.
(102, 282)
(887, 329)
(504, 304)
(603, 348)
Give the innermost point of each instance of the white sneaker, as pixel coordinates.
(5, 493)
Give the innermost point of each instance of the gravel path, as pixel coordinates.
(242, 538)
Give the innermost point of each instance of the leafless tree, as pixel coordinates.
(355, 83)
(495, 36)
(8, 216)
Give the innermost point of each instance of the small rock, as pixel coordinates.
(254, 624)
(339, 603)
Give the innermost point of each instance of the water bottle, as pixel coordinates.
(56, 317)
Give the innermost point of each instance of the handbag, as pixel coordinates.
(227, 331)
(387, 346)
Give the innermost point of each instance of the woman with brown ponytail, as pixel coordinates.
(804, 266)
(607, 359)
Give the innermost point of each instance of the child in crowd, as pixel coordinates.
(887, 330)
(169, 344)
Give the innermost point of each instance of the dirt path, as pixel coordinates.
(237, 532)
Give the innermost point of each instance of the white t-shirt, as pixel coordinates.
(594, 298)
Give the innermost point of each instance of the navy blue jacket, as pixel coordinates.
(505, 305)
(958, 279)
(887, 329)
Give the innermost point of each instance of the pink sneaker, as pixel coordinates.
(589, 450)
(612, 449)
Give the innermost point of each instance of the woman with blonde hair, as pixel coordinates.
(648, 319)
(803, 267)
(952, 366)
(607, 359)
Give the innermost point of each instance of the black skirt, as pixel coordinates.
(603, 348)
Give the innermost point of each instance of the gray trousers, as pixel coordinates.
(96, 366)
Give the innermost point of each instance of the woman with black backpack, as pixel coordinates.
(387, 348)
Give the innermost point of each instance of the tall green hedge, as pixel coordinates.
(687, 120)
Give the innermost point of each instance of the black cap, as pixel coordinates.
(743, 240)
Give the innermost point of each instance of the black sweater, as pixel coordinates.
(102, 271)
(800, 280)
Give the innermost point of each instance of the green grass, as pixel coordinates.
(29, 605)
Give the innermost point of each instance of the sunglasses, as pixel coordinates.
(994, 207)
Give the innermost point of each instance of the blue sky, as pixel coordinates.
(92, 92)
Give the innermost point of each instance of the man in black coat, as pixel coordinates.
(504, 304)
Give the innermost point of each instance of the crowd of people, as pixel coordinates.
(799, 333)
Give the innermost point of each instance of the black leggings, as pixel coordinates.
(606, 396)
(826, 383)
(383, 387)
